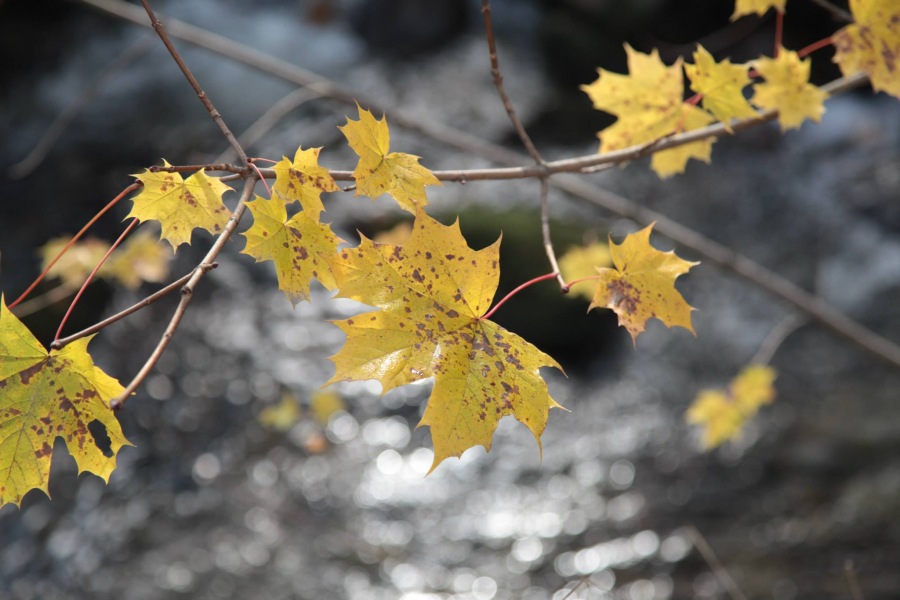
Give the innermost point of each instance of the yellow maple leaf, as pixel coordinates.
(142, 258)
(76, 264)
(44, 396)
(759, 7)
(432, 292)
(872, 44)
(649, 105)
(180, 205)
(642, 285)
(381, 172)
(299, 246)
(787, 89)
(721, 85)
(723, 414)
(674, 160)
(303, 180)
(580, 262)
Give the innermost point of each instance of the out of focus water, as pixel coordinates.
(210, 504)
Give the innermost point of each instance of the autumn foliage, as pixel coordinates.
(431, 294)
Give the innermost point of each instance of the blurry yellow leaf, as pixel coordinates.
(181, 205)
(299, 246)
(76, 264)
(432, 292)
(325, 403)
(304, 181)
(723, 414)
(44, 396)
(141, 258)
(872, 44)
(582, 261)
(787, 89)
(642, 285)
(379, 172)
(281, 416)
(759, 7)
(721, 85)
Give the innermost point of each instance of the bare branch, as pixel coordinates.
(216, 117)
(776, 337)
(187, 292)
(836, 11)
(63, 342)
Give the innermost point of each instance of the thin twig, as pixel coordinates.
(776, 337)
(852, 581)
(836, 11)
(216, 117)
(714, 563)
(187, 293)
(217, 166)
(63, 342)
(65, 118)
(526, 140)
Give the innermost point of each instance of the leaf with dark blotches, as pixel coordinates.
(432, 292)
(642, 285)
(872, 44)
(299, 246)
(44, 396)
(180, 205)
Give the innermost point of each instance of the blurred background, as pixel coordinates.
(247, 482)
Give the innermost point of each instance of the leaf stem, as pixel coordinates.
(62, 324)
(569, 285)
(806, 51)
(74, 239)
(779, 31)
(528, 283)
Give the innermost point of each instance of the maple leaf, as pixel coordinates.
(581, 262)
(642, 285)
(379, 172)
(787, 89)
(759, 7)
(721, 84)
(180, 205)
(432, 291)
(281, 416)
(48, 395)
(722, 414)
(303, 180)
(142, 258)
(649, 105)
(325, 403)
(872, 44)
(76, 264)
(299, 246)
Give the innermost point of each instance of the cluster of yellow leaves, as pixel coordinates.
(722, 414)
(581, 262)
(649, 101)
(140, 259)
(287, 412)
(45, 396)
